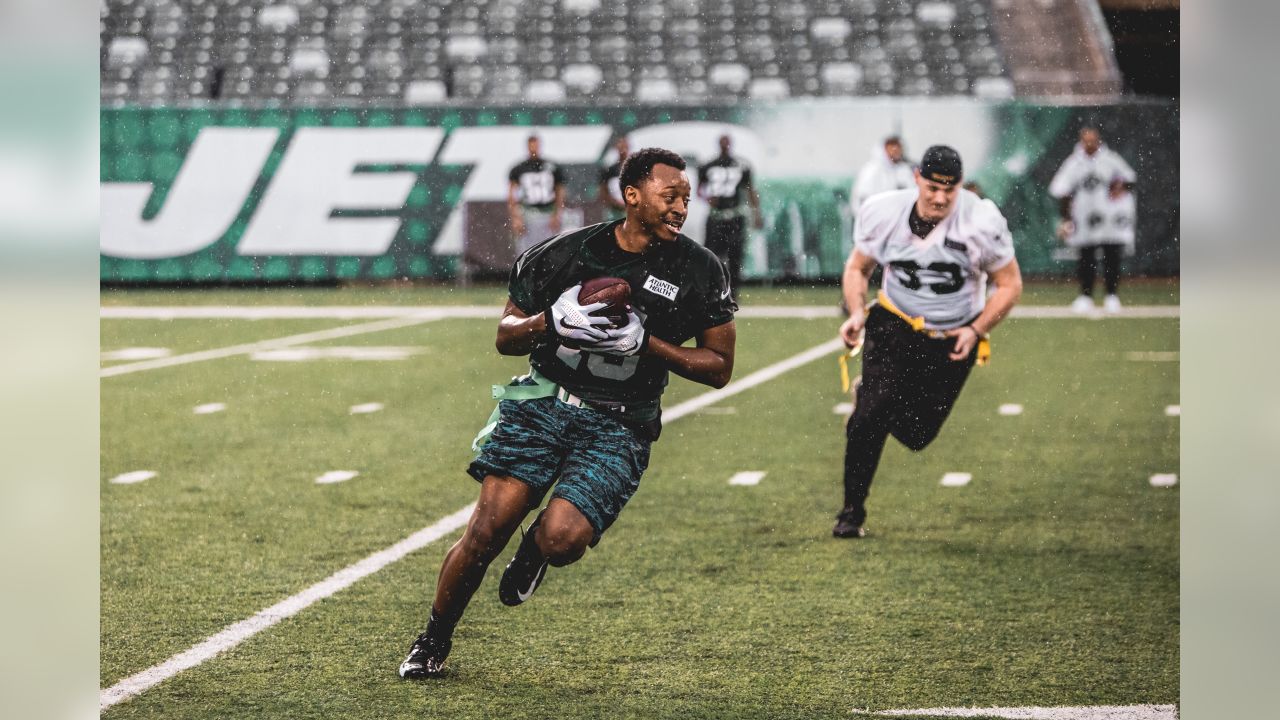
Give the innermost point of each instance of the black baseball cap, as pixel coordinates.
(941, 164)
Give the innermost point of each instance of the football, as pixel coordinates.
(612, 290)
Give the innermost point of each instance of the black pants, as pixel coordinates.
(909, 385)
(1085, 271)
(725, 238)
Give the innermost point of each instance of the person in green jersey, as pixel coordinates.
(579, 426)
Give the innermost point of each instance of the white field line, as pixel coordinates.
(335, 352)
(288, 312)
(421, 316)
(956, 479)
(336, 476)
(233, 635)
(371, 312)
(136, 353)
(135, 476)
(1088, 712)
(747, 477)
(758, 377)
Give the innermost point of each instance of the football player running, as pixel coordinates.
(938, 244)
(581, 423)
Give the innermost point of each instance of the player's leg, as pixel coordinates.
(515, 467)
(868, 427)
(936, 384)
(717, 240)
(599, 476)
(503, 503)
(1085, 274)
(1111, 275)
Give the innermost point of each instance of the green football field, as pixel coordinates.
(1049, 579)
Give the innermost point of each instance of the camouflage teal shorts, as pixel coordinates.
(596, 458)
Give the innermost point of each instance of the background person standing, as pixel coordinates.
(535, 198)
(725, 183)
(886, 170)
(1097, 209)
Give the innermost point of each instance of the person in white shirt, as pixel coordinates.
(886, 170)
(1094, 189)
(939, 245)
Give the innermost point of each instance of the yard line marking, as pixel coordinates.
(1010, 409)
(336, 476)
(956, 479)
(371, 312)
(756, 378)
(1152, 356)
(282, 342)
(366, 408)
(747, 477)
(1090, 712)
(136, 353)
(842, 408)
(1164, 480)
(130, 478)
(1173, 410)
(235, 634)
(209, 408)
(335, 352)
(286, 312)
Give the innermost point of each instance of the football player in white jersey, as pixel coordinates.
(1095, 199)
(939, 245)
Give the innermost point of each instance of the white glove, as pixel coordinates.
(571, 321)
(626, 340)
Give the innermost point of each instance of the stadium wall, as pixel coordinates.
(221, 195)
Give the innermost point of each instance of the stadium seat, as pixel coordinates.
(590, 50)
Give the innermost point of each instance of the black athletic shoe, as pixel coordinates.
(426, 658)
(525, 571)
(849, 523)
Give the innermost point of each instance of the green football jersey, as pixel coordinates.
(678, 289)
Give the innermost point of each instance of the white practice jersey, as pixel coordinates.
(942, 278)
(1086, 179)
(879, 174)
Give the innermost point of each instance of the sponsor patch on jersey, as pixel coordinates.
(955, 245)
(661, 287)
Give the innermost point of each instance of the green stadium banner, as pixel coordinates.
(230, 195)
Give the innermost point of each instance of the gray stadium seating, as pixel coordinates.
(504, 52)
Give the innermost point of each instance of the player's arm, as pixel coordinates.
(602, 193)
(753, 199)
(1008, 284)
(857, 275)
(710, 362)
(519, 332)
(513, 208)
(557, 208)
(568, 319)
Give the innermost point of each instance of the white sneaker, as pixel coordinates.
(1111, 304)
(1083, 305)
